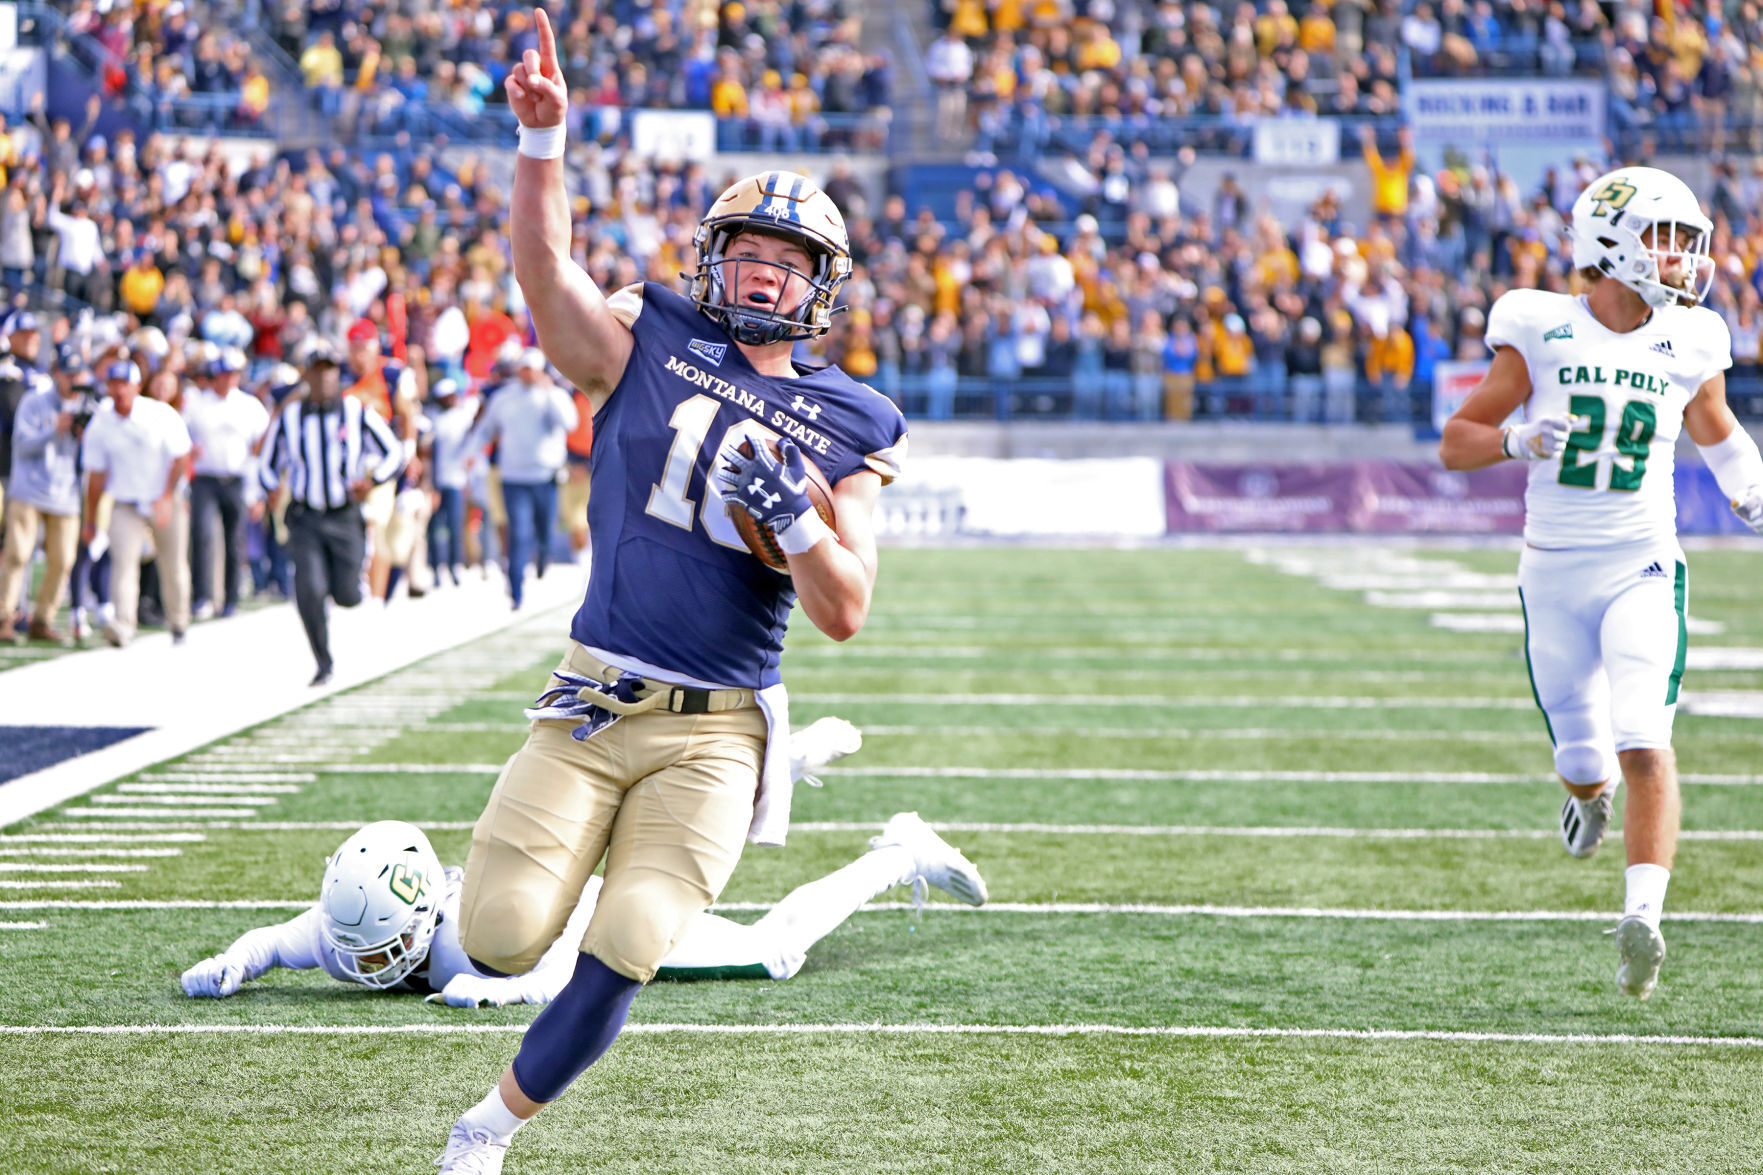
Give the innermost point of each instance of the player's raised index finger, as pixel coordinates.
(547, 43)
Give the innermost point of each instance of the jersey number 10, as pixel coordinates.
(691, 423)
(1634, 433)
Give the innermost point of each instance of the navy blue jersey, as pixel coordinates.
(672, 584)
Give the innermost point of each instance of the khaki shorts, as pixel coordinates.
(493, 497)
(666, 798)
(376, 508)
(572, 502)
(409, 516)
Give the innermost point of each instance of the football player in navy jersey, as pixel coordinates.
(661, 742)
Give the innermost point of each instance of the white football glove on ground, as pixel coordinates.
(1538, 440)
(1749, 508)
(468, 991)
(213, 978)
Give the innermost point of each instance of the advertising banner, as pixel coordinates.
(1024, 497)
(1452, 381)
(1297, 141)
(1504, 111)
(1350, 497)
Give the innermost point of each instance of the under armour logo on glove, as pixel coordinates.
(773, 491)
(574, 699)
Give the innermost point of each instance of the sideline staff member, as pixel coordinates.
(330, 451)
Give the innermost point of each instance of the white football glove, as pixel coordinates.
(1749, 508)
(1538, 440)
(213, 978)
(469, 991)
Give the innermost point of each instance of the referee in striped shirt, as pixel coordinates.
(330, 451)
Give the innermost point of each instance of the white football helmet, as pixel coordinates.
(380, 901)
(778, 204)
(1645, 228)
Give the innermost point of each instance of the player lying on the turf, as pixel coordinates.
(388, 914)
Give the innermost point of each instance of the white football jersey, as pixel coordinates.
(300, 944)
(1627, 392)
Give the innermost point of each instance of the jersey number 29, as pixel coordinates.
(1634, 433)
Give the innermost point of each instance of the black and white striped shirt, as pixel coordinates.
(321, 451)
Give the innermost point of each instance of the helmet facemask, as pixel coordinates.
(718, 279)
(380, 902)
(1683, 267)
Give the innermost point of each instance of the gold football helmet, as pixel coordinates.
(779, 204)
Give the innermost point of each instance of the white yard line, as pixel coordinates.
(101, 837)
(24, 926)
(1274, 831)
(82, 867)
(87, 851)
(1225, 776)
(168, 813)
(186, 801)
(8, 884)
(1092, 702)
(173, 789)
(230, 777)
(1044, 908)
(1198, 1031)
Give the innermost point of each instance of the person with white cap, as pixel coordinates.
(225, 424)
(529, 421)
(138, 450)
(450, 419)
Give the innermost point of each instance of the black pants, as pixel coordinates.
(328, 547)
(208, 494)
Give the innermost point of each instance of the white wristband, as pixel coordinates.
(542, 142)
(804, 534)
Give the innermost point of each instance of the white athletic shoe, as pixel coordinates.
(824, 741)
(1583, 822)
(1640, 948)
(471, 1152)
(939, 862)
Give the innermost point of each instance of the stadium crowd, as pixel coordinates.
(1136, 302)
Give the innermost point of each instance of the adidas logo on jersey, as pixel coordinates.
(1564, 331)
(711, 353)
(1654, 571)
(1663, 346)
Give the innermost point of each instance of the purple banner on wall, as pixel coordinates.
(1359, 496)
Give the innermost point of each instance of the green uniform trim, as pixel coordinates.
(694, 974)
(1531, 673)
(1681, 591)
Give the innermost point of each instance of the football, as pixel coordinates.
(759, 539)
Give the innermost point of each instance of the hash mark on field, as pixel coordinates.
(87, 851)
(102, 837)
(24, 926)
(173, 789)
(231, 777)
(168, 813)
(1203, 1032)
(83, 867)
(185, 801)
(9, 884)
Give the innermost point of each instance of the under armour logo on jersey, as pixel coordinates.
(711, 353)
(1663, 346)
(1564, 331)
(803, 408)
(1653, 571)
(756, 488)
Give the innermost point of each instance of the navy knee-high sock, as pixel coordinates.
(574, 1029)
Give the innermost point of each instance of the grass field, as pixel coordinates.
(1274, 882)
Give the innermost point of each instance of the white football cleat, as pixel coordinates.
(1583, 822)
(938, 862)
(471, 1152)
(823, 741)
(1640, 948)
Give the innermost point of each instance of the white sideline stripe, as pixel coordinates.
(24, 926)
(1232, 734)
(6, 883)
(1708, 834)
(123, 813)
(101, 837)
(1281, 831)
(1189, 701)
(82, 867)
(1209, 776)
(185, 801)
(274, 826)
(173, 789)
(1180, 911)
(88, 851)
(989, 908)
(236, 777)
(1196, 1031)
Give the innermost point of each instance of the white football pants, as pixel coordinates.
(1605, 638)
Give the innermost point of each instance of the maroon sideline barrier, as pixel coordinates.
(1371, 497)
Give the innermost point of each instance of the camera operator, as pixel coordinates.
(43, 495)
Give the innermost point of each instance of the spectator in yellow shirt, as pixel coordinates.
(141, 286)
(728, 97)
(1389, 180)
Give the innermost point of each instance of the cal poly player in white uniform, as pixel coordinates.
(387, 914)
(1606, 381)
